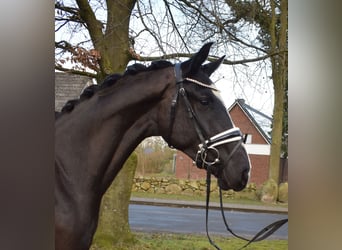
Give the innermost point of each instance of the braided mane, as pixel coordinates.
(109, 81)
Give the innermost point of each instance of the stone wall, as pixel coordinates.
(188, 187)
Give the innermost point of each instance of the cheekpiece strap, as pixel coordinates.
(178, 73)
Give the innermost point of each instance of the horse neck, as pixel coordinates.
(102, 132)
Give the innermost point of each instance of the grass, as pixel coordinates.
(167, 241)
(213, 198)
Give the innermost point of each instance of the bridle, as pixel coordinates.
(209, 146)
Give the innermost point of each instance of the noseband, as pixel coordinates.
(207, 146)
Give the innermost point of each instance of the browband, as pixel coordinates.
(179, 78)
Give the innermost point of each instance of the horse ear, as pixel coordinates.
(195, 62)
(210, 68)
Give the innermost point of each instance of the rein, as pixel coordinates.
(261, 235)
(206, 146)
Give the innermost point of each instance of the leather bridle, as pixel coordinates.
(209, 146)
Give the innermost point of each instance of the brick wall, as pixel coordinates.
(185, 169)
(241, 120)
(260, 166)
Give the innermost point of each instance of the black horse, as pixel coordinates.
(95, 134)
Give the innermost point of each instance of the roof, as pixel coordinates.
(69, 86)
(261, 121)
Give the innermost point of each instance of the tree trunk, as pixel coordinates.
(112, 44)
(277, 128)
(113, 227)
(278, 33)
(114, 48)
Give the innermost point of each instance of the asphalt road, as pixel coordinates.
(192, 220)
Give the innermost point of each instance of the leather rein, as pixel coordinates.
(231, 135)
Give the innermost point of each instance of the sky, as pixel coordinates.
(257, 94)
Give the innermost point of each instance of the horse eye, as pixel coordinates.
(204, 102)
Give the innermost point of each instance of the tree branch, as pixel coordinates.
(210, 58)
(61, 26)
(75, 19)
(64, 45)
(164, 57)
(174, 24)
(148, 29)
(70, 10)
(221, 26)
(94, 26)
(76, 72)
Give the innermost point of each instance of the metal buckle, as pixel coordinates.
(201, 157)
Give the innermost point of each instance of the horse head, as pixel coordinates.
(200, 125)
